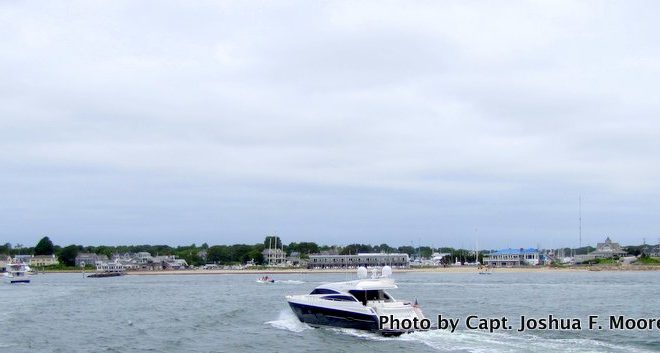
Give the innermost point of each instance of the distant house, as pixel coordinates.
(24, 258)
(4, 260)
(604, 250)
(293, 259)
(112, 266)
(89, 259)
(143, 257)
(43, 260)
(513, 258)
(175, 264)
(274, 257)
(654, 251)
(651, 250)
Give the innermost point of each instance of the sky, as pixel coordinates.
(442, 123)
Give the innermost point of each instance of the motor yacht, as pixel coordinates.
(357, 304)
(17, 272)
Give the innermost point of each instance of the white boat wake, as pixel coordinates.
(289, 281)
(468, 341)
(478, 342)
(287, 320)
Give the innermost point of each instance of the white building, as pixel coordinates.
(354, 261)
(43, 260)
(604, 250)
(274, 257)
(89, 258)
(512, 258)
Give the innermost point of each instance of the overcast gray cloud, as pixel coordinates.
(335, 122)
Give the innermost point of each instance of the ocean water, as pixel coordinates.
(233, 313)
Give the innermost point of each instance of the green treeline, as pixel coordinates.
(223, 254)
(242, 253)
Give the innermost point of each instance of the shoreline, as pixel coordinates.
(462, 269)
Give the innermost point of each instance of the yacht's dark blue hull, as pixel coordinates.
(19, 281)
(320, 316)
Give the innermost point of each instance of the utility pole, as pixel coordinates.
(580, 218)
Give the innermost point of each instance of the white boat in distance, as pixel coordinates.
(265, 279)
(17, 272)
(356, 304)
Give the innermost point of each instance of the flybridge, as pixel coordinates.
(365, 284)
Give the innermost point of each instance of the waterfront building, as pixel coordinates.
(43, 260)
(34, 260)
(354, 261)
(651, 250)
(513, 257)
(605, 250)
(294, 259)
(89, 258)
(654, 251)
(141, 261)
(170, 262)
(143, 257)
(24, 258)
(4, 260)
(274, 257)
(112, 266)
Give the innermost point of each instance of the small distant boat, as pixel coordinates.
(265, 279)
(17, 272)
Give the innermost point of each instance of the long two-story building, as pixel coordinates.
(513, 258)
(353, 261)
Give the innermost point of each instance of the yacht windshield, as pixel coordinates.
(339, 298)
(371, 295)
(324, 291)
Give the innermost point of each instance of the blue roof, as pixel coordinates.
(515, 251)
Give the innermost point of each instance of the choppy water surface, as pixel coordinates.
(233, 313)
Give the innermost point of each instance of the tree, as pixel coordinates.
(217, 254)
(384, 248)
(241, 253)
(68, 255)
(256, 255)
(425, 251)
(44, 247)
(273, 241)
(104, 250)
(353, 249)
(304, 248)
